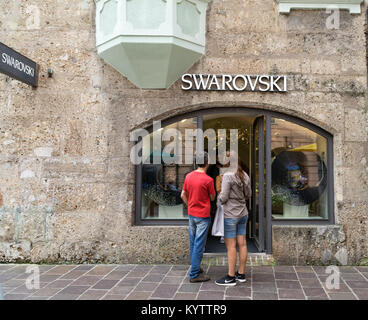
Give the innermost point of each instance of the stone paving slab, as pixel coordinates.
(162, 282)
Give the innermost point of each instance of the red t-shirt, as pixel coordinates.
(199, 187)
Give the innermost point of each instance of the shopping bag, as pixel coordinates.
(218, 224)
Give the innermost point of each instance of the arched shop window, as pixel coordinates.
(299, 172)
(297, 186)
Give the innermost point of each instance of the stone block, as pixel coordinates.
(356, 128)
(7, 224)
(304, 245)
(355, 183)
(326, 67)
(15, 251)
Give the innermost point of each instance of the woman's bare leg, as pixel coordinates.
(231, 255)
(243, 253)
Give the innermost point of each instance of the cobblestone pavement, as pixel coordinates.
(143, 282)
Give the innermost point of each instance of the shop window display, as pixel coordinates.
(299, 172)
(162, 182)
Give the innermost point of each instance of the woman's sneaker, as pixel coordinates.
(226, 281)
(240, 277)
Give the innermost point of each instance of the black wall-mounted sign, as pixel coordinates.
(17, 66)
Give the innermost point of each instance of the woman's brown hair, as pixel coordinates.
(240, 172)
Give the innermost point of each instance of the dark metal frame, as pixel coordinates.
(258, 125)
(268, 204)
(268, 185)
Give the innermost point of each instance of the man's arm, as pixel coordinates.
(218, 183)
(184, 197)
(211, 190)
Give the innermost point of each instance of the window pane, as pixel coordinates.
(299, 172)
(162, 182)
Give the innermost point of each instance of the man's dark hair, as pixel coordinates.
(202, 159)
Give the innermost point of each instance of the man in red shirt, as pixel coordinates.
(197, 192)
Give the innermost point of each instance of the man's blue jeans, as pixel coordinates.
(198, 229)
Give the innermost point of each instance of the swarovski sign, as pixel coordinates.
(17, 66)
(227, 82)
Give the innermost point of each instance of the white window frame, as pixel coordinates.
(354, 6)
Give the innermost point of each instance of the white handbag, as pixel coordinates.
(218, 224)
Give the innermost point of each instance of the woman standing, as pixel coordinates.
(235, 190)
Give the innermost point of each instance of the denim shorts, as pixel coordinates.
(234, 227)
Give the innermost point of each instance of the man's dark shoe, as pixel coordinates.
(240, 277)
(200, 271)
(226, 281)
(200, 278)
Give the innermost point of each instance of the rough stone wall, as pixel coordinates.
(66, 182)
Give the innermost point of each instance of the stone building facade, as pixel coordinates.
(67, 185)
